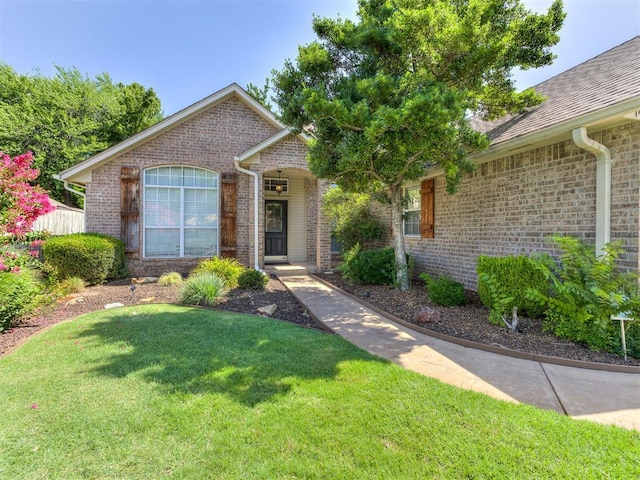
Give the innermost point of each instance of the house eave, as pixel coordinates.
(623, 112)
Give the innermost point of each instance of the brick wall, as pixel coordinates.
(510, 205)
(210, 140)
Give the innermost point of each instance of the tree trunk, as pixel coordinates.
(402, 270)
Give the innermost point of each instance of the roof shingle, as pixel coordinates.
(603, 81)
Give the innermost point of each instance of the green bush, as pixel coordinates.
(585, 292)
(503, 283)
(444, 290)
(252, 279)
(92, 257)
(205, 289)
(18, 295)
(119, 268)
(228, 269)
(369, 267)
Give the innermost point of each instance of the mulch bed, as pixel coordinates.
(469, 322)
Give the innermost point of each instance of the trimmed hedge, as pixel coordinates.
(369, 267)
(510, 277)
(252, 279)
(444, 290)
(93, 257)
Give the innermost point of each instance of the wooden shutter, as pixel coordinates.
(427, 195)
(228, 211)
(130, 210)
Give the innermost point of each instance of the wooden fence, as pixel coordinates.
(61, 221)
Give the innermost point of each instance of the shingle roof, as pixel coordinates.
(603, 81)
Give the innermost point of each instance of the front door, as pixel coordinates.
(275, 228)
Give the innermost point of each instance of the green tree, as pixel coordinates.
(390, 96)
(352, 218)
(67, 118)
(261, 94)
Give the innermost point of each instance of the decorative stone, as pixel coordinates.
(426, 315)
(142, 280)
(113, 305)
(148, 300)
(268, 309)
(74, 300)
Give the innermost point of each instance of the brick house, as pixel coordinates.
(222, 177)
(569, 166)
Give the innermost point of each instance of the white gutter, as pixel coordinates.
(66, 184)
(256, 189)
(603, 185)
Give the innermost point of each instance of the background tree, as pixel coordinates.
(67, 118)
(352, 219)
(390, 96)
(261, 94)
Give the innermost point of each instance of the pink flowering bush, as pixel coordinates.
(20, 202)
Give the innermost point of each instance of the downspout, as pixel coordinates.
(603, 185)
(256, 189)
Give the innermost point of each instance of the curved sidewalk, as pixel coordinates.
(601, 396)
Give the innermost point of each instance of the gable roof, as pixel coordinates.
(606, 85)
(82, 169)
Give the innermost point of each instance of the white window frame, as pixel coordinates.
(270, 184)
(181, 227)
(411, 207)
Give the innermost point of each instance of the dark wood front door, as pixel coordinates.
(275, 228)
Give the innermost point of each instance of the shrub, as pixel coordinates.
(228, 269)
(70, 285)
(369, 267)
(205, 289)
(119, 268)
(503, 283)
(444, 290)
(170, 278)
(92, 257)
(252, 279)
(18, 295)
(585, 291)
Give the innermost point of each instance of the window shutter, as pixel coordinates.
(130, 210)
(427, 209)
(228, 210)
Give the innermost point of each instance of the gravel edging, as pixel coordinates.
(488, 348)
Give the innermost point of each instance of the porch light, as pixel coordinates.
(279, 184)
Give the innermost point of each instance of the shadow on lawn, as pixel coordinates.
(198, 351)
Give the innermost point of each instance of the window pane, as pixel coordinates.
(162, 242)
(273, 218)
(200, 242)
(412, 197)
(200, 208)
(189, 176)
(412, 223)
(162, 207)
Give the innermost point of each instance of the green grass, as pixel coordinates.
(165, 391)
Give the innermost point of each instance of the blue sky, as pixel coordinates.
(186, 50)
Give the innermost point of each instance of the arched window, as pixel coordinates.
(180, 212)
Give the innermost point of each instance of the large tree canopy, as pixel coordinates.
(69, 117)
(390, 96)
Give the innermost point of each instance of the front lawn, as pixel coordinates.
(164, 391)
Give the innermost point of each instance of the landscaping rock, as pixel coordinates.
(268, 309)
(113, 305)
(143, 280)
(426, 315)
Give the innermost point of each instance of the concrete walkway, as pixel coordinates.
(601, 396)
